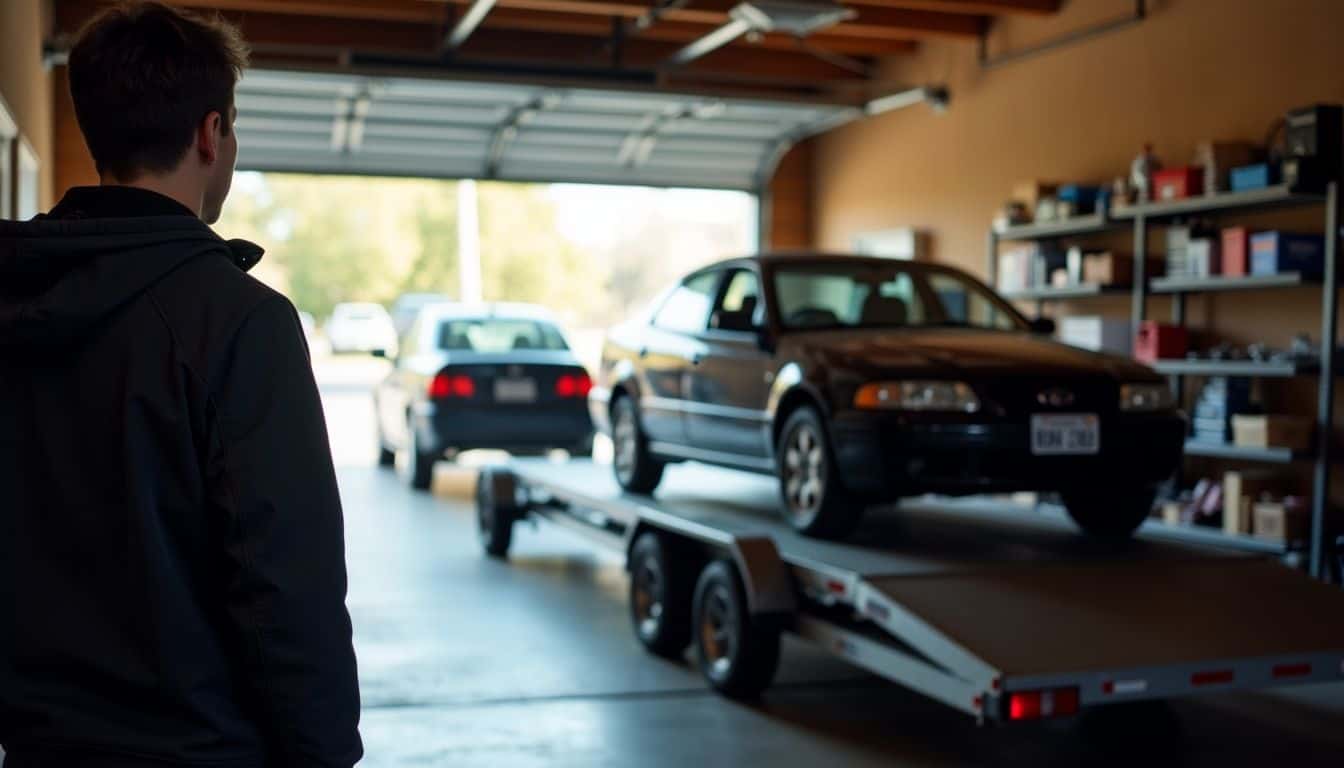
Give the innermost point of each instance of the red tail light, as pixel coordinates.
(573, 385)
(447, 385)
(1034, 705)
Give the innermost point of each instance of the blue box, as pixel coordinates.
(1256, 176)
(1084, 198)
(1276, 252)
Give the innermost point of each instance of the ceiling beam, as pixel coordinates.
(985, 7)
(468, 23)
(683, 32)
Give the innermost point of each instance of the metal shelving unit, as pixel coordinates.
(1050, 293)
(1140, 218)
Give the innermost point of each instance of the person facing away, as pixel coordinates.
(172, 555)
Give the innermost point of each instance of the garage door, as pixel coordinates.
(340, 123)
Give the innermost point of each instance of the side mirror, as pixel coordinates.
(1042, 326)
(381, 353)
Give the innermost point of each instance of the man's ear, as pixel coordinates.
(209, 133)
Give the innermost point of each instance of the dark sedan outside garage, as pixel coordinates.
(665, 382)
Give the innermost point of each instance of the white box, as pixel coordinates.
(1097, 333)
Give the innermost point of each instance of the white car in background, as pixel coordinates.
(361, 327)
(408, 306)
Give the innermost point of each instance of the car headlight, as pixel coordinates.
(1146, 397)
(954, 396)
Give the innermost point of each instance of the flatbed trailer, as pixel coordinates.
(1000, 617)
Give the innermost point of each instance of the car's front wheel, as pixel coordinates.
(815, 500)
(637, 471)
(1110, 513)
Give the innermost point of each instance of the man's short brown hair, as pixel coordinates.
(143, 76)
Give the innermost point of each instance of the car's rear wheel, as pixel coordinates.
(815, 500)
(419, 465)
(1110, 513)
(637, 470)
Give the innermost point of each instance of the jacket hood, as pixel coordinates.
(61, 277)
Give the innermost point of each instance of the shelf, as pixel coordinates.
(1220, 283)
(1238, 453)
(1213, 537)
(1232, 368)
(1090, 224)
(1085, 291)
(1269, 197)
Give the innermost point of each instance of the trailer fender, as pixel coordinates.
(768, 583)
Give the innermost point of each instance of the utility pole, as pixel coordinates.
(469, 241)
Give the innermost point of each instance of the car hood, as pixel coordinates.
(947, 352)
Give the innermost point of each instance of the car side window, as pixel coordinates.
(686, 309)
(963, 305)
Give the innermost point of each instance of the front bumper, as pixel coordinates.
(892, 455)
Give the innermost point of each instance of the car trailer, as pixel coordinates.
(1004, 619)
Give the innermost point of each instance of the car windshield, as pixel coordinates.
(886, 295)
(499, 335)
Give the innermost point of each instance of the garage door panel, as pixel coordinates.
(345, 123)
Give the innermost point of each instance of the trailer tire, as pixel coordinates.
(494, 515)
(738, 653)
(662, 586)
(1110, 514)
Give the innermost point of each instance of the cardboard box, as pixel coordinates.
(1273, 431)
(1242, 489)
(1178, 183)
(1284, 521)
(1157, 341)
(1236, 247)
(1201, 257)
(1275, 252)
(1030, 193)
(1094, 332)
(1107, 268)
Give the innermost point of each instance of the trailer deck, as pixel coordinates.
(971, 608)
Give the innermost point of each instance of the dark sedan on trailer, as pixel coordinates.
(500, 376)
(861, 380)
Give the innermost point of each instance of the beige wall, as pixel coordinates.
(1196, 69)
(24, 84)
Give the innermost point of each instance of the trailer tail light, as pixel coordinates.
(1037, 705)
(573, 385)
(1212, 677)
(446, 385)
(1292, 670)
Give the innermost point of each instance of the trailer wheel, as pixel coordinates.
(495, 513)
(738, 652)
(661, 589)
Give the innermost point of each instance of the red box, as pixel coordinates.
(1178, 183)
(1235, 247)
(1159, 342)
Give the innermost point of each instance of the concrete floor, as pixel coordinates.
(466, 661)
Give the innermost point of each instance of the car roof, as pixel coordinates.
(452, 310)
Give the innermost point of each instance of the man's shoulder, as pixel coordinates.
(207, 301)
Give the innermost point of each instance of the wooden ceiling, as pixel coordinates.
(589, 39)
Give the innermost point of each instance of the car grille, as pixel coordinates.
(1023, 395)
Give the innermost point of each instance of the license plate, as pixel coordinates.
(516, 390)
(1065, 434)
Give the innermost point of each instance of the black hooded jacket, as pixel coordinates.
(172, 555)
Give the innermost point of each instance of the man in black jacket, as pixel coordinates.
(172, 565)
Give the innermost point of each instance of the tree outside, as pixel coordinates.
(591, 254)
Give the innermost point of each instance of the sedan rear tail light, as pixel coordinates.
(573, 385)
(446, 385)
(1036, 705)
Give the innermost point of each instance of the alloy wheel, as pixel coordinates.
(718, 631)
(648, 597)
(804, 473)
(625, 440)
